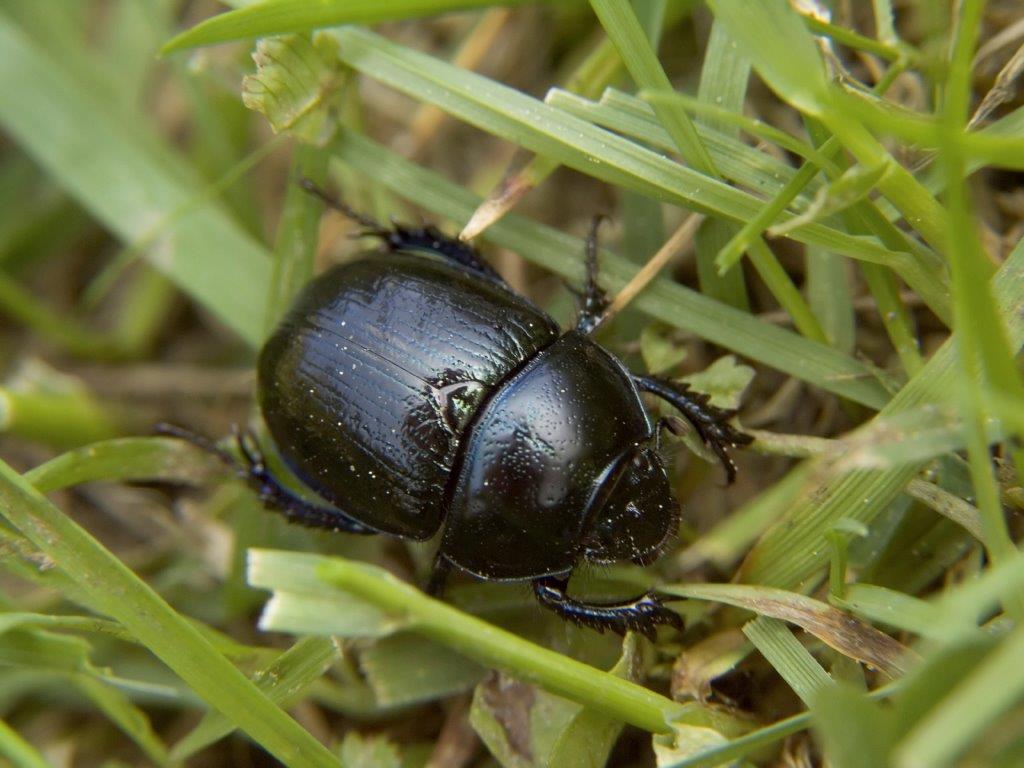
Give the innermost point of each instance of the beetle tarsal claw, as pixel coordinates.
(710, 422)
(642, 614)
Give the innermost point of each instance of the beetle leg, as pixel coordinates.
(712, 423)
(253, 469)
(641, 614)
(593, 301)
(403, 237)
(438, 576)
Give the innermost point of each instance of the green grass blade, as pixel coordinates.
(723, 81)
(857, 732)
(122, 595)
(986, 358)
(16, 749)
(629, 116)
(829, 292)
(969, 710)
(789, 657)
(284, 680)
(58, 419)
(794, 550)
(135, 186)
(674, 304)
(278, 17)
(301, 599)
(624, 30)
(402, 604)
(126, 459)
(894, 609)
(784, 54)
(298, 232)
(539, 128)
(780, 47)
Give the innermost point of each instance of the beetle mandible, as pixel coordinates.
(415, 392)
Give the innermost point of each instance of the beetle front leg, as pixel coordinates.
(641, 614)
(712, 423)
(253, 469)
(593, 301)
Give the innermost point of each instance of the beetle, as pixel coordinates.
(414, 391)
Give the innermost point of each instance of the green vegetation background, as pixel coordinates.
(816, 215)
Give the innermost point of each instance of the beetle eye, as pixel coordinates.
(638, 515)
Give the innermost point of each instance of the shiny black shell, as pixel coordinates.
(414, 393)
(370, 381)
(540, 453)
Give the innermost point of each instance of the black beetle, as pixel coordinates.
(414, 390)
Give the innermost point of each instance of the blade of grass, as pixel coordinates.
(784, 54)
(123, 596)
(403, 604)
(625, 31)
(298, 232)
(839, 631)
(983, 351)
(857, 733)
(972, 707)
(539, 128)
(126, 459)
(921, 268)
(793, 551)
(633, 118)
(121, 173)
(284, 681)
(278, 17)
(789, 657)
(18, 750)
(59, 419)
(755, 740)
(881, 282)
(829, 291)
(601, 67)
(723, 81)
(676, 305)
(895, 609)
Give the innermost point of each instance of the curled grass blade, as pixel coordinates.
(847, 635)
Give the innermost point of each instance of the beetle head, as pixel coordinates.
(639, 513)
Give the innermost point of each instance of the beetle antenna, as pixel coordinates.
(371, 225)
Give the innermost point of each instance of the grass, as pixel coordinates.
(855, 598)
